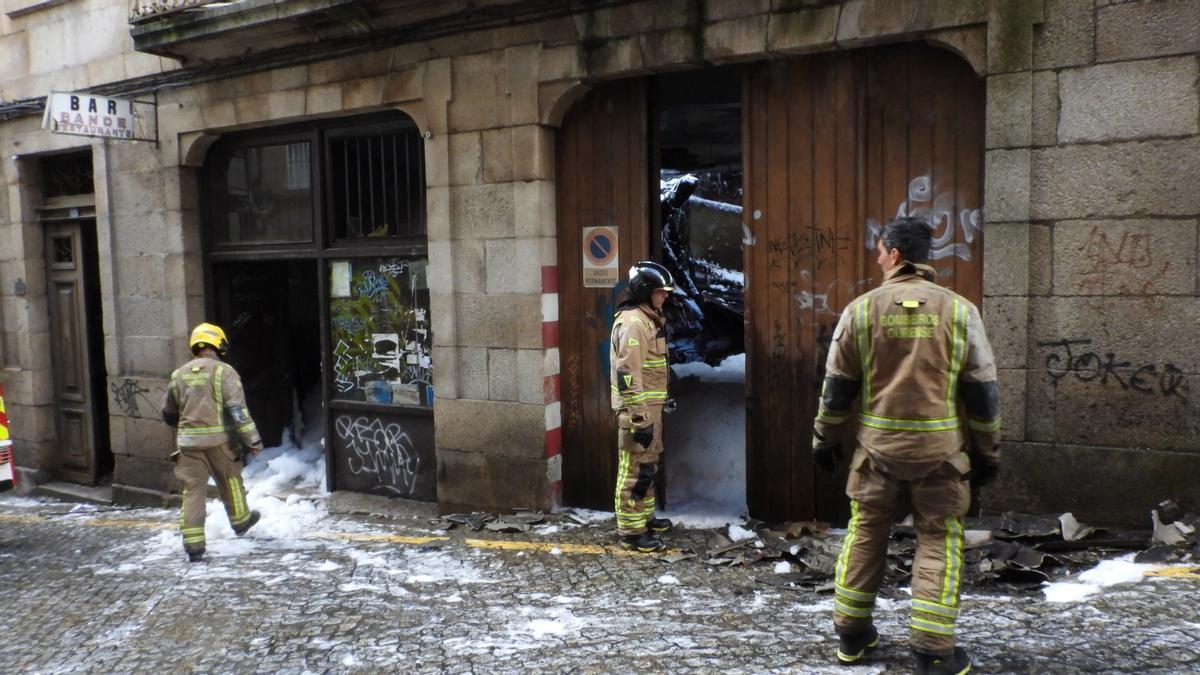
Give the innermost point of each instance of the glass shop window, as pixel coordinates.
(380, 332)
(263, 193)
(376, 185)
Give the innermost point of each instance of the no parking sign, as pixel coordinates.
(600, 268)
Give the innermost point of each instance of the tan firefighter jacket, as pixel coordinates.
(912, 351)
(206, 405)
(637, 358)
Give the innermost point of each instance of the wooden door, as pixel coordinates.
(834, 146)
(80, 410)
(603, 180)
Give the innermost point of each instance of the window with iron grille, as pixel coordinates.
(64, 175)
(376, 185)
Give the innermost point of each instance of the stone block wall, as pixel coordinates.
(1107, 202)
(68, 47)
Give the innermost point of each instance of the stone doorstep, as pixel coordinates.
(344, 502)
(72, 492)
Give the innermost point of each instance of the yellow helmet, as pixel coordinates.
(209, 334)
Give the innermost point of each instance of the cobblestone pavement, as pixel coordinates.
(108, 590)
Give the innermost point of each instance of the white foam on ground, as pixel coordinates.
(1108, 573)
(732, 369)
(587, 515)
(701, 515)
(739, 533)
(22, 502)
(433, 566)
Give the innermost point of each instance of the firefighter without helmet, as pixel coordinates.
(208, 334)
(645, 277)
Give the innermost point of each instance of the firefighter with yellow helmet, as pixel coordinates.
(911, 352)
(207, 406)
(639, 373)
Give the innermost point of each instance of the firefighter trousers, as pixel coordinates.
(939, 501)
(193, 466)
(637, 474)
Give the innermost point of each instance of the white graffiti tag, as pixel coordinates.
(384, 451)
(393, 268)
(343, 368)
(940, 214)
(824, 298)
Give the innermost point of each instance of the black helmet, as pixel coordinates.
(646, 276)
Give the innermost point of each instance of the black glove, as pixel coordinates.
(983, 472)
(644, 436)
(826, 456)
(669, 406)
(825, 453)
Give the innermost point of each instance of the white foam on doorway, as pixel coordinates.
(705, 444)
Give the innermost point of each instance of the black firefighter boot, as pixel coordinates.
(852, 646)
(239, 530)
(659, 525)
(957, 663)
(194, 554)
(646, 542)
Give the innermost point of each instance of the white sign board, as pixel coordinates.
(88, 115)
(600, 267)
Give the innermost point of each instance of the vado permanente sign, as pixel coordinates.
(88, 115)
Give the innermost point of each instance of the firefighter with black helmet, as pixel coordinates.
(207, 406)
(638, 374)
(911, 352)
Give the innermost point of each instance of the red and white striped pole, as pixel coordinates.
(553, 388)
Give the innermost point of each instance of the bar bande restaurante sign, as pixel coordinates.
(87, 115)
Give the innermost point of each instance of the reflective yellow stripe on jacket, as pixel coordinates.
(893, 424)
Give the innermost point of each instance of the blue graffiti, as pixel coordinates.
(372, 285)
(350, 324)
(608, 312)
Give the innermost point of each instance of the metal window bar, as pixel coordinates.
(396, 181)
(408, 200)
(370, 183)
(358, 186)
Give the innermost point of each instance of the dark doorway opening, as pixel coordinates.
(270, 313)
(698, 143)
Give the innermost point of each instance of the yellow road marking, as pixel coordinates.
(545, 547)
(1178, 571)
(19, 518)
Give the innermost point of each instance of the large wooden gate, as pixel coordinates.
(603, 179)
(834, 146)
